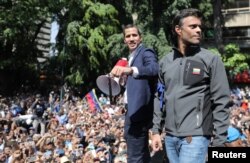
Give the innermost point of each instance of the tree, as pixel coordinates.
(235, 61)
(218, 25)
(86, 36)
(20, 23)
(147, 16)
(96, 38)
(90, 37)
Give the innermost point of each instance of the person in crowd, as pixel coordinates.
(39, 108)
(140, 86)
(2, 156)
(196, 95)
(103, 99)
(234, 137)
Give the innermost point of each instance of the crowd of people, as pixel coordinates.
(74, 133)
(36, 128)
(193, 110)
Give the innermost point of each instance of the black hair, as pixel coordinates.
(131, 26)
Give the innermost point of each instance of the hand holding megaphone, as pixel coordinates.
(118, 71)
(121, 70)
(110, 83)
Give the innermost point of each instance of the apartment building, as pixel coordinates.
(237, 24)
(43, 38)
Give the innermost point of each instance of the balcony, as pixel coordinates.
(237, 17)
(236, 28)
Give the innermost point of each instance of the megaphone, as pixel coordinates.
(111, 85)
(108, 85)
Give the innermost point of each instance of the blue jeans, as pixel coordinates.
(179, 150)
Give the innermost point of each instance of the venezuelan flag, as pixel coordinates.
(93, 102)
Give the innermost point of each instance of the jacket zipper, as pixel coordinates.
(186, 71)
(198, 112)
(179, 82)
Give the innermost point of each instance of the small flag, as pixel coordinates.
(92, 101)
(196, 71)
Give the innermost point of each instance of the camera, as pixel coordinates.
(109, 139)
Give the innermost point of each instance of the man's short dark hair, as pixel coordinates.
(131, 26)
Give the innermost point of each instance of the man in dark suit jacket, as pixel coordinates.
(140, 87)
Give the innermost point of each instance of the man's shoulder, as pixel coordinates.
(208, 54)
(167, 56)
(206, 51)
(147, 49)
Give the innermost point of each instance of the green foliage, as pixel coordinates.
(86, 42)
(115, 48)
(160, 46)
(215, 51)
(90, 39)
(231, 49)
(20, 22)
(206, 7)
(234, 60)
(75, 78)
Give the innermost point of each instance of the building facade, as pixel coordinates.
(237, 24)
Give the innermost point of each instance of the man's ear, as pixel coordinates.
(177, 29)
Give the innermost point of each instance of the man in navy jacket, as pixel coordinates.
(140, 87)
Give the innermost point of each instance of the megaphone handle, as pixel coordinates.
(110, 89)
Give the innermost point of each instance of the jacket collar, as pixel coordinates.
(191, 51)
(135, 53)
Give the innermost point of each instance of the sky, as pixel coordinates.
(53, 34)
(54, 31)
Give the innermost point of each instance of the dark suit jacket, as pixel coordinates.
(140, 90)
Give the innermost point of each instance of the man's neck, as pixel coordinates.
(188, 49)
(130, 52)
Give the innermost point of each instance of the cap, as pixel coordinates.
(232, 134)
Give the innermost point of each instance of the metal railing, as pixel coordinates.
(235, 10)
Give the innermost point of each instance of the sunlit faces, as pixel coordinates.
(132, 38)
(189, 32)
